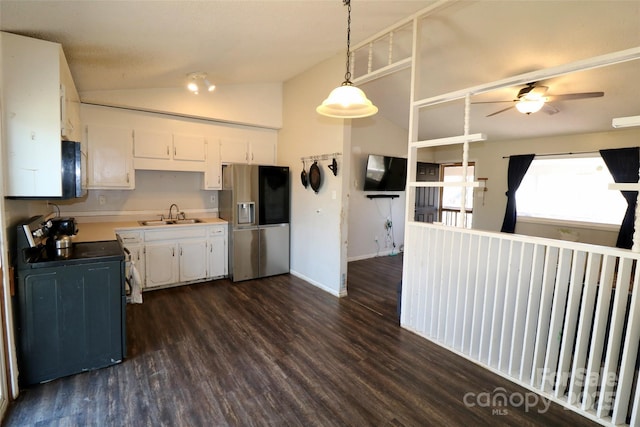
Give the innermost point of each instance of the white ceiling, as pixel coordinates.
(155, 44)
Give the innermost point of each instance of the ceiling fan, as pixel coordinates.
(533, 98)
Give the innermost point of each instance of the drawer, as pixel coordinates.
(130, 237)
(175, 233)
(217, 231)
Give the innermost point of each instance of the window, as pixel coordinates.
(570, 189)
(452, 196)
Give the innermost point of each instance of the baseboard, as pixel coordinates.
(367, 256)
(317, 284)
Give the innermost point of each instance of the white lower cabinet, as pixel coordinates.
(161, 264)
(193, 260)
(218, 254)
(177, 254)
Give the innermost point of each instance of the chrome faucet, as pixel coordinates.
(171, 210)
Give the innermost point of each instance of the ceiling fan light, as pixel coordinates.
(347, 102)
(528, 106)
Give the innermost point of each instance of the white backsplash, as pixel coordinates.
(155, 191)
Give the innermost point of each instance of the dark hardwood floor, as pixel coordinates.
(278, 352)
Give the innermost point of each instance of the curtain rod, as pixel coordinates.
(559, 154)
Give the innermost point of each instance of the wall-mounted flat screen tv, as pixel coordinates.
(385, 173)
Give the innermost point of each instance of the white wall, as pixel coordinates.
(250, 104)
(374, 135)
(490, 164)
(318, 221)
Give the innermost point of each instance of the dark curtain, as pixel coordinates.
(623, 163)
(518, 166)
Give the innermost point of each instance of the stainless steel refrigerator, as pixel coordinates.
(255, 201)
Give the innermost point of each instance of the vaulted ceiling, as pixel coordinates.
(155, 44)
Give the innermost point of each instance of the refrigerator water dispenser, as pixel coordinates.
(246, 213)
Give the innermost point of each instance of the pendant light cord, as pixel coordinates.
(347, 75)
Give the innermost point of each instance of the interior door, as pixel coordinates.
(427, 198)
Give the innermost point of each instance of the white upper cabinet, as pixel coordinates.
(188, 147)
(152, 145)
(250, 152)
(33, 73)
(234, 150)
(262, 152)
(70, 126)
(158, 150)
(212, 178)
(109, 159)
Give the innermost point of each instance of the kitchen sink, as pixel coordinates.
(187, 221)
(153, 222)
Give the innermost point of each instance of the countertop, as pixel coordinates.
(98, 231)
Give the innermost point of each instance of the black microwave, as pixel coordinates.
(72, 185)
(71, 174)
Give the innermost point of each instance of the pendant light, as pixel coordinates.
(347, 101)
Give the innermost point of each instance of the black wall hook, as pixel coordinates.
(334, 167)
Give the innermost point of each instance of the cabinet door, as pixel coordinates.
(152, 145)
(188, 147)
(161, 264)
(262, 153)
(218, 256)
(234, 150)
(31, 123)
(193, 260)
(109, 160)
(213, 171)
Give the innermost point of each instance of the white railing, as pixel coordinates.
(559, 318)
(453, 217)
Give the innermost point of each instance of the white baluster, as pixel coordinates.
(465, 163)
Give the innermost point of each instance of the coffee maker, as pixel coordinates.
(59, 232)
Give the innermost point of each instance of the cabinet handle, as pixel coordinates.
(173, 252)
(127, 177)
(246, 156)
(252, 157)
(218, 179)
(180, 251)
(174, 151)
(167, 150)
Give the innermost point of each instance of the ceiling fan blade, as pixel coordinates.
(538, 91)
(501, 111)
(550, 109)
(570, 96)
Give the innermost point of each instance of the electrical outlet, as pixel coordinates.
(213, 198)
(375, 238)
(102, 200)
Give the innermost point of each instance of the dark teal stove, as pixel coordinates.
(69, 310)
